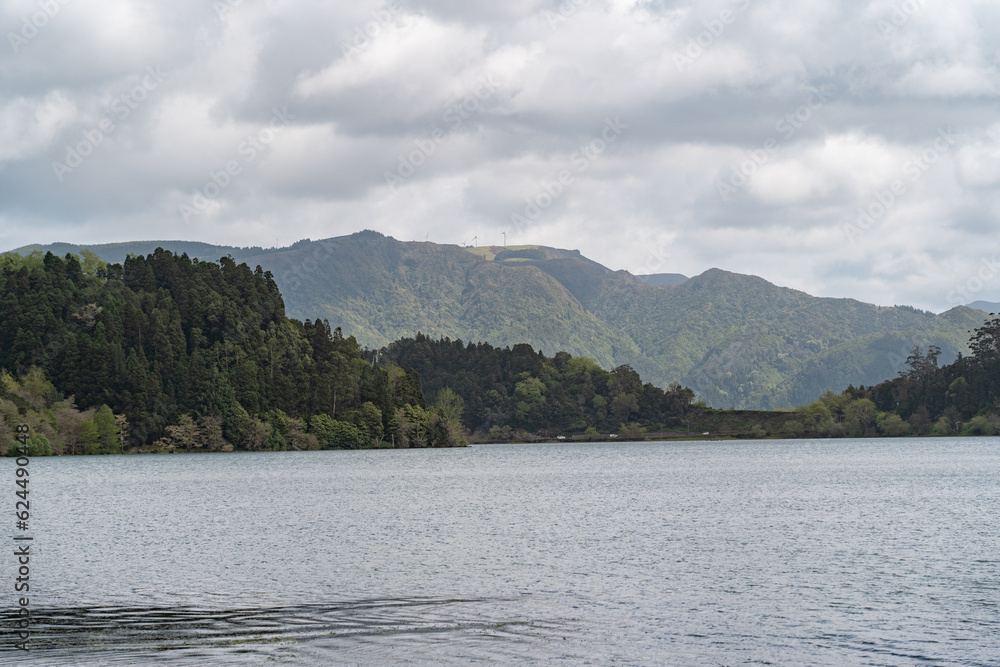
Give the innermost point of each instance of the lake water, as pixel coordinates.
(826, 552)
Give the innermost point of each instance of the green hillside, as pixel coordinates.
(738, 341)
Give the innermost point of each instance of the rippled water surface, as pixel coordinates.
(877, 552)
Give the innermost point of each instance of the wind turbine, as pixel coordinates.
(475, 239)
(426, 238)
(504, 237)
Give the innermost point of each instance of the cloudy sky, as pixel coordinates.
(842, 148)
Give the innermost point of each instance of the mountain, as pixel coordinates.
(115, 253)
(737, 340)
(662, 279)
(986, 306)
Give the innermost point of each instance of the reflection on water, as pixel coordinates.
(133, 635)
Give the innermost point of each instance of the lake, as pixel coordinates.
(810, 552)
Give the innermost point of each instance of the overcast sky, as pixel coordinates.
(841, 148)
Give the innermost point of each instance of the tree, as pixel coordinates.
(90, 438)
(922, 367)
(980, 425)
(624, 380)
(369, 422)
(185, 434)
(921, 421)
(859, 416)
(39, 445)
(449, 405)
(211, 432)
(530, 396)
(68, 420)
(892, 425)
(985, 344)
(322, 426)
(121, 423)
(298, 438)
(346, 436)
(631, 431)
(107, 430)
(622, 406)
(256, 435)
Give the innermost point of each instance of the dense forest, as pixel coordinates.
(508, 391)
(517, 393)
(164, 353)
(171, 353)
(960, 397)
(738, 341)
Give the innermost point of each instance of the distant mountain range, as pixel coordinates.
(737, 340)
(986, 306)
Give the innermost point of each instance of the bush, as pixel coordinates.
(631, 431)
(345, 436)
(943, 426)
(502, 433)
(38, 445)
(322, 427)
(979, 426)
(793, 428)
(892, 425)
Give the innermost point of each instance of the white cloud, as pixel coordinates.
(356, 114)
(27, 126)
(979, 161)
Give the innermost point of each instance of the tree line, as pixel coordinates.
(959, 398)
(507, 393)
(183, 355)
(167, 353)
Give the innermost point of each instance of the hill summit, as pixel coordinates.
(737, 340)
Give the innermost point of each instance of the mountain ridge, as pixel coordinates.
(738, 340)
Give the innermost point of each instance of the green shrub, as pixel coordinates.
(39, 445)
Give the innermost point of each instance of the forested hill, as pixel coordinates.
(191, 354)
(738, 341)
(961, 397)
(510, 390)
(166, 353)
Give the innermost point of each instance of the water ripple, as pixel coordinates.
(123, 635)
